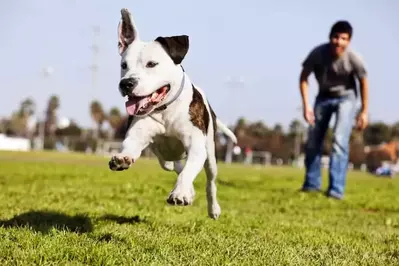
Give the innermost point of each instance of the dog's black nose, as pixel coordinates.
(127, 85)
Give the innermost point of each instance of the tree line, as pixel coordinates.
(256, 135)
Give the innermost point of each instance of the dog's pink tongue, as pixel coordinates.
(134, 105)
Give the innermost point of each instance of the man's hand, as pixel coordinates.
(362, 120)
(308, 115)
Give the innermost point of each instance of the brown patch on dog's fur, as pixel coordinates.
(213, 122)
(214, 127)
(199, 116)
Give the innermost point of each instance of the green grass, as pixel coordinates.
(69, 209)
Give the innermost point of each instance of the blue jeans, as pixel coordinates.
(345, 110)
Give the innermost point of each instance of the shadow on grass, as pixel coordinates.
(108, 237)
(43, 221)
(226, 183)
(122, 219)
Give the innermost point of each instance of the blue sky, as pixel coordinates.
(258, 44)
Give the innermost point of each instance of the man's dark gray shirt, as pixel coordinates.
(335, 76)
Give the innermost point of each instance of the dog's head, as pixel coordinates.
(150, 71)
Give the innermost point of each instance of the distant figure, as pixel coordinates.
(248, 155)
(336, 69)
(388, 169)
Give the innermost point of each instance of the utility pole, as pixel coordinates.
(232, 83)
(95, 52)
(46, 73)
(94, 67)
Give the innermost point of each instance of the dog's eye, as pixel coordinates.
(124, 65)
(151, 64)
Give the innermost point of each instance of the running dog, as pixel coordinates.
(167, 112)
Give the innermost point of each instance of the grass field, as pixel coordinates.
(69, 209)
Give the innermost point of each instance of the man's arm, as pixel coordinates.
(361, 74)
(307, 68)
(364, 91)
(362, 118)
(304, 85)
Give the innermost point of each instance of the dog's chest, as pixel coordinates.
(169, 147)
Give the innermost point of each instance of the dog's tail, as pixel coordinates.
(226, 130)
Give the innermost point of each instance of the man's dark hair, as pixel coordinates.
(341, 26)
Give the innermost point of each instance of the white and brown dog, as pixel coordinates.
(167, 113)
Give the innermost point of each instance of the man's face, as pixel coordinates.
(339, 42)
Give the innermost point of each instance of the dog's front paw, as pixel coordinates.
(181, 196)
(214, 211)
(120, 163)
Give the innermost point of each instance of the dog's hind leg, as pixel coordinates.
(211, 171)
(166, 165)
(176, 166)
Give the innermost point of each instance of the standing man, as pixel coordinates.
(336, 69)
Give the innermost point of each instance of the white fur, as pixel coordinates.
(170, 133)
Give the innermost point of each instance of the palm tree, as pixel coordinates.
(295, 127)
(296, 130)
(276, 139)
(26, 110)
(258, 129)
(395, 131)
(356, 137)
(278, 129)
(17, 124)
(53, 103)
(114, 119)
(51, 117)
(240, 127)
(27, 107)
(98, 115)
(377, 133)
(357, 155)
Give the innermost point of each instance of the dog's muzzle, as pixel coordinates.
(127, 85)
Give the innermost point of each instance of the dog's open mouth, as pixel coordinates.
(140, 105)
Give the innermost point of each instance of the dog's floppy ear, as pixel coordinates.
(127, 32)
(175, 46)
